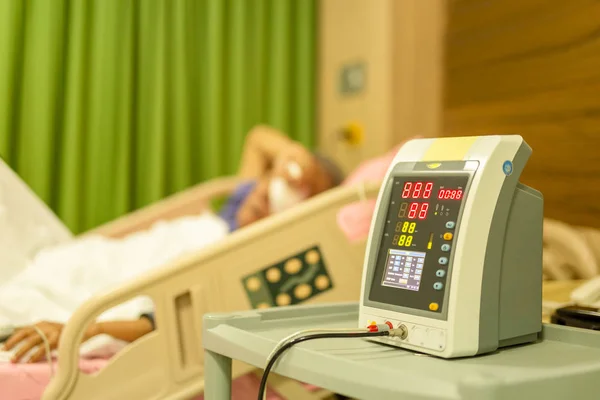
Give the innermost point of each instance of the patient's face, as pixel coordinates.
(315, 177)
(256, 205)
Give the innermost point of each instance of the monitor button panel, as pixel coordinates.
(426, 337)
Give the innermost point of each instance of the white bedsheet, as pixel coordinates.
(58, 280)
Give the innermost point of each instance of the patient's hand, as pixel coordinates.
(27, 338)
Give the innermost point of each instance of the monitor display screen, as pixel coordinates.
(417, 239)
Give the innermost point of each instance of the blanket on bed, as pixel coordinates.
(60, 279)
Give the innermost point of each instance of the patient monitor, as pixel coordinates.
(454, 256)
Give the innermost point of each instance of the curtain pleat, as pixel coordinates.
(11, 64)
(255, 69)
(213, 90)
(109, 105)
(236, 56)
(303, 95)
(278, 80)
(69, 184)
(179, 172)
(41, 99)
(104, 102)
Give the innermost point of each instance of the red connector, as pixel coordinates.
(379, 327)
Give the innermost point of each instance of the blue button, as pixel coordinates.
(507, 167)
(440, 273)
(443, 260)
(450, 224)
(445, 247)
(438, 285)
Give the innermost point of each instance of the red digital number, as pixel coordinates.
(412, 212)
(406, 190)
(452, 194)
(427, 191)
(417, 190)
(423, 211)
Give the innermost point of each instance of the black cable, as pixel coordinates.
(282, 349)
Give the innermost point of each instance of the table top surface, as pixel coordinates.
(341, 365)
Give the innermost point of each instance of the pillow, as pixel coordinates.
(355, 219)
(371, 170)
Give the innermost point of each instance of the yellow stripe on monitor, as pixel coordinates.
(449, 149)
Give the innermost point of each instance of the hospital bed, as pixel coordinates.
(168, 362)
(298, 256)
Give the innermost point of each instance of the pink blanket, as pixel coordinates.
(28, 381)
(355, 219)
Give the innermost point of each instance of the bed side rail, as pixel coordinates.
(187, 202)
(168, 363)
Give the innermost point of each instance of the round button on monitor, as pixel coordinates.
(438, 285)
(450, 224)
(440, 273)
(445, 247)
(443, 260)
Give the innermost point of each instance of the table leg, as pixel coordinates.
(217, 376)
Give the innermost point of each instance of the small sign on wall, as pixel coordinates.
(353, 78)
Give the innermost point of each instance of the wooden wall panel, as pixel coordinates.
(532, 67)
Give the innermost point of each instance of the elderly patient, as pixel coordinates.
(267, 153)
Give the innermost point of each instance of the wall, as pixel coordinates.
(472, 67)
(399, 43)
(532, 68)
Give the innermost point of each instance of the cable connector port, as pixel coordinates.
(401, 332)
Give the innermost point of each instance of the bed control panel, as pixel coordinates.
(293, 280)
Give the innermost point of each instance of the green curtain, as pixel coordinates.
(109, 105)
